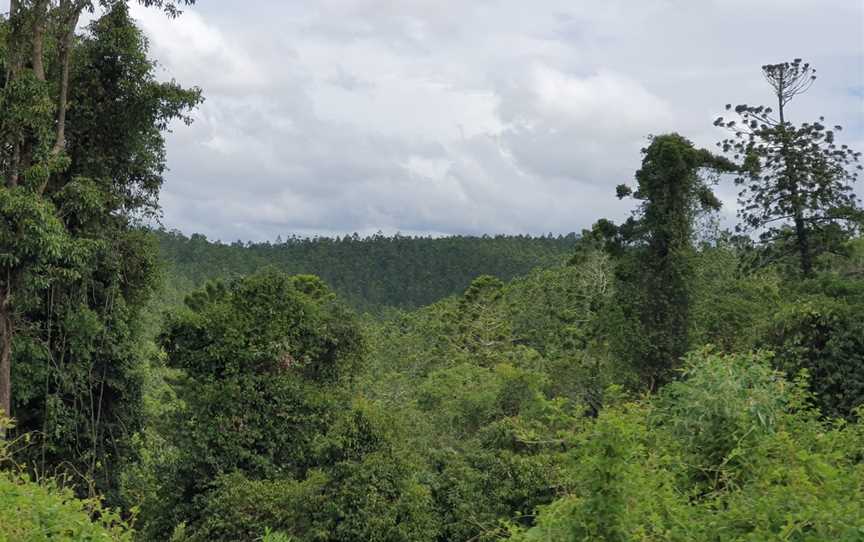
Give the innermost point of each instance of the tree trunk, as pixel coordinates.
(12, 179)
(801, 235)
(60, 139)
(803, 244)
(13, 52)
(38, 45)
(65, 53)
(12, 68)
(5, 357)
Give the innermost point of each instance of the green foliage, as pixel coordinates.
(271, 536)
(360, 489)
(369, 273)
(254, 357)
(655, 294)
(479, 489)
(622, 492)
(795, 181)
(477, 375)
(466, 398)
(554, 309)
(120, 111)
(31, 235)
(724, 406)
(42, 512)
(263, 437)
(825, 337)
(76, 269)
(374, 499)
(28, 108)
(265, 323)
(85, 341)
(729, 307)
(46, 511)
(484, 416)
(730, 452)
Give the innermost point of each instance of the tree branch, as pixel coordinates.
(70, 13)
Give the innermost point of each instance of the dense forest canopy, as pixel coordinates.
(368, 272)
(653, 380)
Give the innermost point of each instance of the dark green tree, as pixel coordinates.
(77, 267)
(256, 354)
(795, 180)
(825, 337)
(657, 279)
(43, 199)
(268, 361)
(371, 272)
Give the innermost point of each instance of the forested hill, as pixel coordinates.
(368, 272)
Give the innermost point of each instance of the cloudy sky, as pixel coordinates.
(479, 116)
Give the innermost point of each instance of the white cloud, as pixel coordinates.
(605, 100)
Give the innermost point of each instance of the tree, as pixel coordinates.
(825, 337)
(370, 273)
(267, 360)
(70, 189)
(730, 451)
(77, 266)
(672, 193)
(46, 510)
(795, 181)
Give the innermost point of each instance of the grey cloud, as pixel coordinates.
(444, 116)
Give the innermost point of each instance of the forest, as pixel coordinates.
(665, 378)
(368, 273)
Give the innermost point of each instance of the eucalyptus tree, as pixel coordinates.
(795, 180)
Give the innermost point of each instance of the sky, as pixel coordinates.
(327, 117)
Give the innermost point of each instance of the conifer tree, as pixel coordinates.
(795, 180)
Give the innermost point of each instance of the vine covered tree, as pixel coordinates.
(672, 193)
(795, 180)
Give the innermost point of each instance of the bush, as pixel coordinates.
(723, 405)
(376, 499)
(825, 337)
(731, 452)
(42, 512)
(37, 512)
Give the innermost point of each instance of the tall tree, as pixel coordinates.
(795, 180)
(42, 201)
(264, 358)
(672, 193)
(77, 266)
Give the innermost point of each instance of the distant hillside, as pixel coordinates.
(369, 272)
